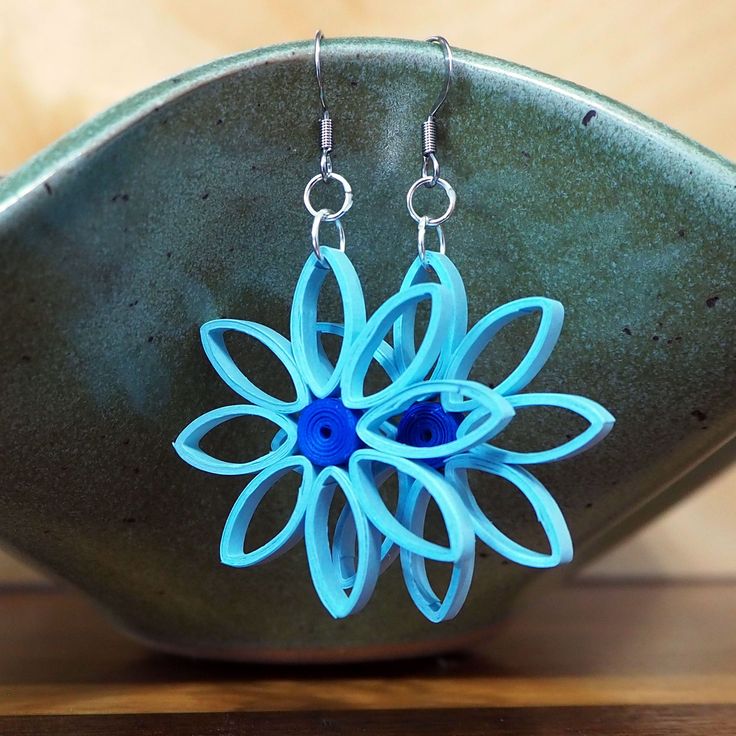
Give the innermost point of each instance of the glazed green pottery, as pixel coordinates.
(184, 204)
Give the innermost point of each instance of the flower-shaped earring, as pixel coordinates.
(426, 428)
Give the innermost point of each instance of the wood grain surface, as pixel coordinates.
(62, 61)
(687, 720)
(593, 658)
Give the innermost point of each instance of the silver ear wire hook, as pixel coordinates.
(326, 174)
(447, 51)
(429, 126)
(431, 166)
(318, 37)
(325, 121)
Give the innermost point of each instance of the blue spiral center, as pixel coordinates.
(427, 424)
(326, 432)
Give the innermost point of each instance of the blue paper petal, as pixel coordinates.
(483, 332)
(353, 378)
(447, 275)
(496, 414)
(414, 566)
(459, 527)
(232, 542)
(548, 512)
(384, 354)
(343, 556)
(187, 443)
(601, 423)
(213, 341)
(327, 581)
(321, 376)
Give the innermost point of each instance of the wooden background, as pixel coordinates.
(62, 61)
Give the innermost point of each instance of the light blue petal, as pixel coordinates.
(310, 357)
(601, 423)
(213, 341)
(414, 566)
(232, 543)
(187, 443)
(447, 275)
(353, 378)
(494, 413)
(326, 579)
(343, 556)
(460, 533)
(384, 354)
(548, 512)
(483, 332)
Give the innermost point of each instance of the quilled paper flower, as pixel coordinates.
(428, 427)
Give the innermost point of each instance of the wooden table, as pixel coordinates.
(594, 658)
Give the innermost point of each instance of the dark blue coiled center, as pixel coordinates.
(326, 432)
(427, 424)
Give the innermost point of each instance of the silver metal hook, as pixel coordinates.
(447, 51)
(326, 174)
(318, 37)
(431, 166)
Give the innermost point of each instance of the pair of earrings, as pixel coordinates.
(427, 428)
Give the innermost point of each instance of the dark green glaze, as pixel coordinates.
(184, 203)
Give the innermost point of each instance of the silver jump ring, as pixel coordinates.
(426, 181)
(347, 202)
(431, 158)
(421, 238)
(319, 218)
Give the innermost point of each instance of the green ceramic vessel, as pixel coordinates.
(183, 204)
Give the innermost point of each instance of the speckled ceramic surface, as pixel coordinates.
(184, 203)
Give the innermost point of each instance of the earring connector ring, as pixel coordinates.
(421, 239)
(325, 216)
(427, 181)
(347, 201)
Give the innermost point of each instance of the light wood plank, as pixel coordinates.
(364, 694)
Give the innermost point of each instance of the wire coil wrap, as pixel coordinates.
(325, 134)
(429, 137)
